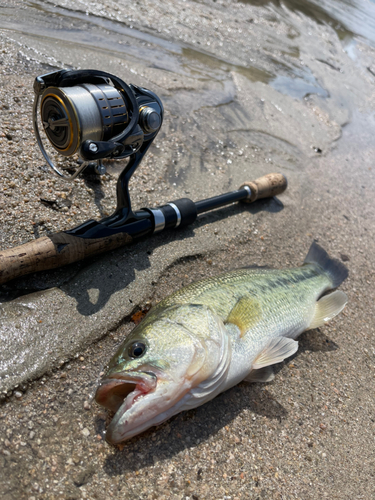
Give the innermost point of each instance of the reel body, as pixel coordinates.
(94, 114)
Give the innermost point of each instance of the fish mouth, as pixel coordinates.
(122, 390)
(140, 400)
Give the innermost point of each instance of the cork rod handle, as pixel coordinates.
(54, 251)
(266, 186)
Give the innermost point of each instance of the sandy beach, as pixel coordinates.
(249, 88)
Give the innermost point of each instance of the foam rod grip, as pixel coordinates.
(54, 251)
(265, 187)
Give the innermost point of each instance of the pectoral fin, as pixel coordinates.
(328, 307)
(275, 352)
(264, 374)
(245, 314)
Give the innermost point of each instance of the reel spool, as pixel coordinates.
(75, 114)
(94, 114)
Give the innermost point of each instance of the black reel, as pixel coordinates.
(94, 114)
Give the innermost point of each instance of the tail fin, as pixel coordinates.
(334, 268)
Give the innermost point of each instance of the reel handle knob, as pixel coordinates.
(265, 187)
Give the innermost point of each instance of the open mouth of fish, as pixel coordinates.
(140, 400)
(122, 390)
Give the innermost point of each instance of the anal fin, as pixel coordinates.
(264, 374)
(276, 351)
(328, 307)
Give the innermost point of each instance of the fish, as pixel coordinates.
(212, 334)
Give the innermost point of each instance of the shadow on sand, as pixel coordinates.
(190, 428)
(118, 267)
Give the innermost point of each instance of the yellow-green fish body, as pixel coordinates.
(212, 334)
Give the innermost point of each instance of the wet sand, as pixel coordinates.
(249, 88)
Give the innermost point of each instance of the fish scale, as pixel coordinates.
(286, 298)
(212, 334)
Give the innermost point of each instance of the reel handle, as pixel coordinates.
(265, 187)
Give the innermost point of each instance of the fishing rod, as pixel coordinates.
(98, 116)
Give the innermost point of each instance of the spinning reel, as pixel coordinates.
(94, 114)
(98, 116)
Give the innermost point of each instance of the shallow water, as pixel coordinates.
(278, 45)
(41, 26)
(347, 17)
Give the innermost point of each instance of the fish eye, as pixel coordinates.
(137, 349)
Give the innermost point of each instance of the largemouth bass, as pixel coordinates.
(211, 335)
